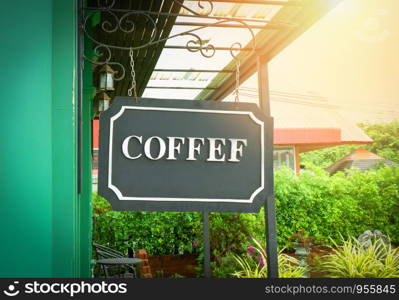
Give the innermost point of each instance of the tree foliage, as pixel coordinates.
(386, 144)
(385, 137)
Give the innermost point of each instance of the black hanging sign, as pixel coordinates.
(179, 155)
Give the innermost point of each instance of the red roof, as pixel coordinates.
(361, 159)
(295, 136)
(361, 153)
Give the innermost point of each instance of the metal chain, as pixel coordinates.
(132, 90)
(237, 89)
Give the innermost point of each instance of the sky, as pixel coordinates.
(349, 57)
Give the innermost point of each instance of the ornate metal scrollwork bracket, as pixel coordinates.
(123, 20)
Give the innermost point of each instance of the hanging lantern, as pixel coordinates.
(102, 101)
(106, 78)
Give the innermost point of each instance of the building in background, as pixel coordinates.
(305, 122)
(361, 159)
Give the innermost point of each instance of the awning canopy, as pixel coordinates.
(172, 39)
(191, 50)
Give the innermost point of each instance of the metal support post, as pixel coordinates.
(270, 211)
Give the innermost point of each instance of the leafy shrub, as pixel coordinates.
(322, 206)
(327, 206)
(367, 238)
(230, 232)
(225, 266)
(354, 260)
(254, 265)
(158, 233)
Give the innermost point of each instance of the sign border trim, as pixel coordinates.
(120, 195)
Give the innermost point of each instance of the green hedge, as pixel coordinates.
(327, 206)
(158, 233)
(323, 206)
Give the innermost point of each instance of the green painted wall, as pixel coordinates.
(86, 195)
(26, 149)
(45, 224)
(64, 140)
